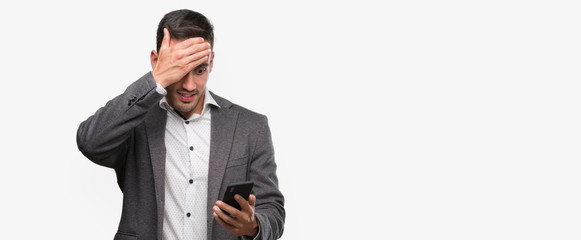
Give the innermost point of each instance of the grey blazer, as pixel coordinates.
(127, 134)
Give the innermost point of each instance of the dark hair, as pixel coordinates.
(184, 24)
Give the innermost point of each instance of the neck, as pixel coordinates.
(198, 108)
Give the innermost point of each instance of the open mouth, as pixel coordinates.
(186, 97)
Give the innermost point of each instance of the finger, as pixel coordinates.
(166, 39)
(191, 42)
(243, 203)
(252, 200)
(221, 222)
(227, 208)
(193, 65)
(251, 203)
(204, 54)
(196, 51)
(223, 216)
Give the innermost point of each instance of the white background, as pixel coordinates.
(390, 119)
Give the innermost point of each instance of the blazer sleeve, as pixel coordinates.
(269, 207)
(104, 137)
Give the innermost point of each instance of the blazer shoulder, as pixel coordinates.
(245, 114)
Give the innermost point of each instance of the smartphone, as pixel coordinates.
(241, 188)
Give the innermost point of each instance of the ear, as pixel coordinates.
(153, 57)
(212, 60)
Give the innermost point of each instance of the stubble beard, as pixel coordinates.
(187, 107)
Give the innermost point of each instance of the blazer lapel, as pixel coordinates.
(155, 129)
(222, 135)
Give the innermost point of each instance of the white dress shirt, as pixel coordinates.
(187, 144)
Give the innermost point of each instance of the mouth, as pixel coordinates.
(186, 97)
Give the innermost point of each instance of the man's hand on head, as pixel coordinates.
(175, 59)
(241, 222)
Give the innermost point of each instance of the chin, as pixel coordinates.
(186, 108)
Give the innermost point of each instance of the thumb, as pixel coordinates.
(166, 39)
(252, 200)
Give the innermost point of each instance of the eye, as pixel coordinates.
(200, 71)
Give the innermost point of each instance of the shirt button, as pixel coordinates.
(191, 148)
(191, 181)
(188, 214)
(187, 122)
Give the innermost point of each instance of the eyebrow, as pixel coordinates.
(202, 65)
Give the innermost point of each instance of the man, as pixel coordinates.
(175, 146)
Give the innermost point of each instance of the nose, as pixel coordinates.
(188, 82)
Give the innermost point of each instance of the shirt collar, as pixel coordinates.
(208, 100)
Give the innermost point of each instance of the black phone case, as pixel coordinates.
(241, 188)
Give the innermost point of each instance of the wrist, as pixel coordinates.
(160, 89)
(159, 79)
(255, 229)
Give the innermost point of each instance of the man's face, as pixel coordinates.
(187, 94)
